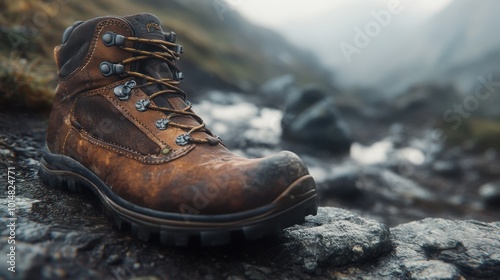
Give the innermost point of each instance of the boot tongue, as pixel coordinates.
(148, 26)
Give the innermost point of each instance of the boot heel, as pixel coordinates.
(47, 177)
(60, 179)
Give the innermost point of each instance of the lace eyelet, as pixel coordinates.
(142, 105)
(112, 39)
(179, 49)
(183, 139)
(162, 124)
(177, 75)
(170, 36)
(107, 68)
(131, 84)
(123, 91)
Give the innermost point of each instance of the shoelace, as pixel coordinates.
(168, 56)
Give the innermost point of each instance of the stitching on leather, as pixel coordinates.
(117, 145)
(63, 148)
(102, 140)
(141, 158)
(65, 140)
(102, 92)
(135, 119)
(72, 115)
(138, 156)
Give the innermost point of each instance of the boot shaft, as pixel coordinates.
(90, 57)
(90, 53)
(82, 51)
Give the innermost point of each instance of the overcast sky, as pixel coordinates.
(277, 12)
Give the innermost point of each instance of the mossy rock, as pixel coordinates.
(23, 86)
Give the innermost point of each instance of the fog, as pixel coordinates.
(389, 45)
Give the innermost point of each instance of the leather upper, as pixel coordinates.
(135, 159)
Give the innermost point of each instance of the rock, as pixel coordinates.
(447, 168)
(379, 193)
(421, 102)
(113, 260)
(436, 270)
(442, 249)
(239, 122)
(335, 238)
(397, 188)
(256, 272)
(386, 185)
(343, 183)
(490, 194)
(273, 92)
(61, 235)
(300, 101)
(376, 153)
(311, 118)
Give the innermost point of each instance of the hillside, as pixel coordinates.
(454, 46)
(221, 52)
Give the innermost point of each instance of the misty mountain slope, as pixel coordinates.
(324, 33)
(454, 45)
(222, 49)
(223, 43)
(457, 45)
(327, 31)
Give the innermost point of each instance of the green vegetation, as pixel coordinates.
(25, 83)
(483, 133)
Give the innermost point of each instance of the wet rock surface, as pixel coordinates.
(490, 194)
(64, 235)
(336, 238)
(438, 249)
(311, 118)
(472, 247)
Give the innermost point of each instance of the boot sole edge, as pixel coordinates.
(175, 229)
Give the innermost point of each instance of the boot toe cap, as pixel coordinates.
(268, 180)
(237, 186)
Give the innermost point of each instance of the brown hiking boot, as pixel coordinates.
(121, 127)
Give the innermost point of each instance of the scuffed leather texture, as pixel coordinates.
(200, 182)
(103, 121)
(122, 145)
(86, 74)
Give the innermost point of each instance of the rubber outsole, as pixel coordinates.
(175, 229)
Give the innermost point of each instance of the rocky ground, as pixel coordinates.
(389, 193)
